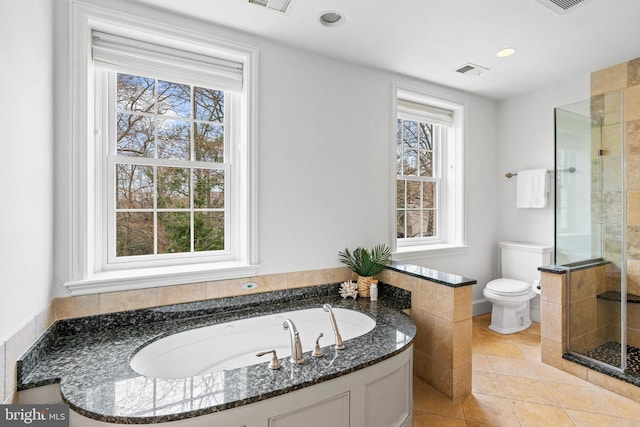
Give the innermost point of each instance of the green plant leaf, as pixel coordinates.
(365, 262)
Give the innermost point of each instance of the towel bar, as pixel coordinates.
(570, 170)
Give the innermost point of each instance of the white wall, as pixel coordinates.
(323, 162)
(324, 158)
(26, 217)
(526, 141)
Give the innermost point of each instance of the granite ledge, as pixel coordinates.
(575, 266)
(617, 297)
(446, 279)
(89, 363)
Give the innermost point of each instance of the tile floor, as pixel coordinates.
(511, 387)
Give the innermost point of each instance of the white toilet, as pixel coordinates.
(511, 294)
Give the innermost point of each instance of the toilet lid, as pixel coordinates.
(508, 286)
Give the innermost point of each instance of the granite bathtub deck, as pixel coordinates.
(90, 356)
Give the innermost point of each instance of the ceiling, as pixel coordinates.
(429, 39)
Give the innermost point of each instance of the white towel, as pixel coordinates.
(532, 188)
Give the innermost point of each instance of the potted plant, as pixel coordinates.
(366, 264)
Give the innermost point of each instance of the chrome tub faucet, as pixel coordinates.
(296, 345)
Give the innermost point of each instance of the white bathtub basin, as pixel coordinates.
(233, 345)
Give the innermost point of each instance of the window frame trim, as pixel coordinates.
(453, 240)
(84, 274)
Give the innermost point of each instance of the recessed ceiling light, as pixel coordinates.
(506, 52)
(331, 18)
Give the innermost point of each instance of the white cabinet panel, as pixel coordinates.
(332, 412)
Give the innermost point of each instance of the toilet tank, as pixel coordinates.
(520, 261)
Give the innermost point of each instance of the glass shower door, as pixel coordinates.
(590, 231)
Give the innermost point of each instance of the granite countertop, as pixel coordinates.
(90, 356)
(446, 279)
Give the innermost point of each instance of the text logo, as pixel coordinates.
(34, 415)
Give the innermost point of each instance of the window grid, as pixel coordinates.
(187, 167)
(417, 215)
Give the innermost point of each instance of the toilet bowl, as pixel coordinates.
(511, 295)
(510, 305)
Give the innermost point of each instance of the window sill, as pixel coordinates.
(125, 280)
(407, 253)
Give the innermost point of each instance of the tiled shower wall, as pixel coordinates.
(615, 104)
(586, 330)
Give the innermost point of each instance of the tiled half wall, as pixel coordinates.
(442, 315)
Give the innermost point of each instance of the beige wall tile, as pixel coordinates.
(633, 207)
(336, 275)
(612, 177)
(438, 300)
(552, 316)
(182, 293)
(551, 352)
(632, 137)
(596, 105)
(424, 330)
(633, 241)
(69, 307)
(14, 347)
(633, 337)
(633, 276)
(128, 300)
(228, 288)
(442, 379)
(611, 207)
(609, 79)
(632, 103)
(552, 287)
(583, 283)
(633, 316)
(613, 107)
(306, 278)
(612, 138)
(44, 318)
(633, 171)
(604, 315)
(422, 365)
(461, 347)
(403, 281)
(462, 303)
(461, 377)
(441, 348)
(633, 72)
(581, 317)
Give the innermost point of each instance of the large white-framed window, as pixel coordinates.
(163, 153)
(428, 179)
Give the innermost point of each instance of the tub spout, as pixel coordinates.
(296, 345)
(334, 325)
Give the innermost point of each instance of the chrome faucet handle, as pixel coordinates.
(316, 351)
(275, 363)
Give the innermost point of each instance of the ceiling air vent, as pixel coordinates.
(277, 5)
(561, 6)
(471, 70)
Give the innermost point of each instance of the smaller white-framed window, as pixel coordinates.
(428, 173)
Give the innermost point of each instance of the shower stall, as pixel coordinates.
(596, 232)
